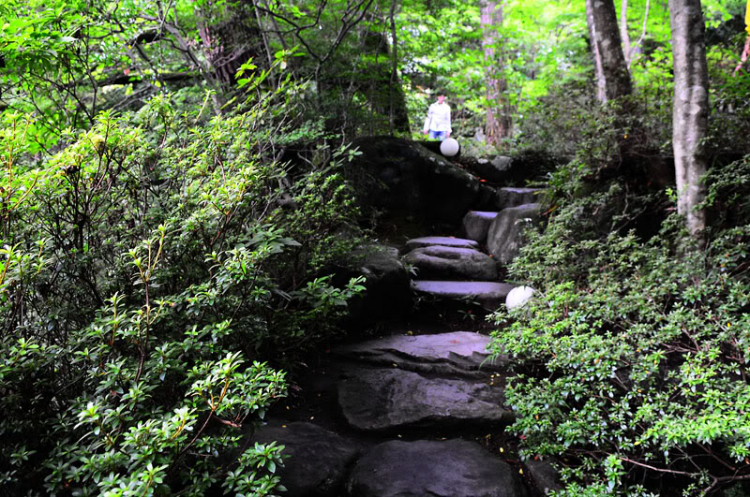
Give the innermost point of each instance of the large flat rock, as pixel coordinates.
(383, 399)
(318, 459)
(453, 468)
(458, 352)
(490, 295)
(444, 241)
(476, 225)
(506, 235)
(458, 263)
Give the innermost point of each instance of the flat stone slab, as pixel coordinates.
(384, 399)
(513, 197)
(453, 468)
(457, 263)
(458, 352)
(445, 241)
(476, 225)
(490, 295)
(318, 459)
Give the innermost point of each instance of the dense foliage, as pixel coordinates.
(149, 267)
(172, 204)
(632, 359)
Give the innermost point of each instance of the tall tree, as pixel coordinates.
(607, 47)
(601, 93)
(499, 121)
(690, 110)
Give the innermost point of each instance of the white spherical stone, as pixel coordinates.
(449, 147)
(519, 296)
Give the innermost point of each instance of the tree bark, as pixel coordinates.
(601, 92)
(607, 39)
(398, 116)
(624, 32)
(690, 110)
(499, 122)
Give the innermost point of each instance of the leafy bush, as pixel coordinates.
(150, 268)
(633, 358)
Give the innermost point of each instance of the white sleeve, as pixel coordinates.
(428, 120)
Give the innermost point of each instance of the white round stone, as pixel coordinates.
(449, 147)
(519, 296)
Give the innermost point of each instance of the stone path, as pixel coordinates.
(424, 385)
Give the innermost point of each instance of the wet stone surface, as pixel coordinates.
(453, 468)
(438, 262)
(445, 241)
(457, 353)
(385, 399)
(490, 295)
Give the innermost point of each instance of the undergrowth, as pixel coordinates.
(633, 359)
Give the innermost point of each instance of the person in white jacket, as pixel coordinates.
(438, 122)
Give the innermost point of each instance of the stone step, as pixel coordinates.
(490, 295)
(456, 468)
(476, 224)
(386, 399)
(513, 197)
(444, 241)
(456, 353)
(316, 460)
(451, 263)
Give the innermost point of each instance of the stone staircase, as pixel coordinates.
(413, 414)
(456, 269)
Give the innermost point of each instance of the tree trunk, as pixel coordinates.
(690, 111)
(499, 121)
(398, 115)
(607, 39)
(601, 93)
(624, 32)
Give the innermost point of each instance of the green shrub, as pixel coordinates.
(632, 361)
(150, 270)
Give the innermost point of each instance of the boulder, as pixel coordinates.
(385, 399)
(544, 476)
(318, 459)
(495, 169)
(438, 262)
(458, 352)
(506, 234)
(387, 291)
(444, 241)
(453, 468)
(476, 225)
(519, 296)
(402, 175)
(513, 197)
(486, 199)
(490, 295)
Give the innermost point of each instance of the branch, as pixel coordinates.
(298, 29)
(660, 470)
(744, 56)
(346, 28)
(643, 35)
